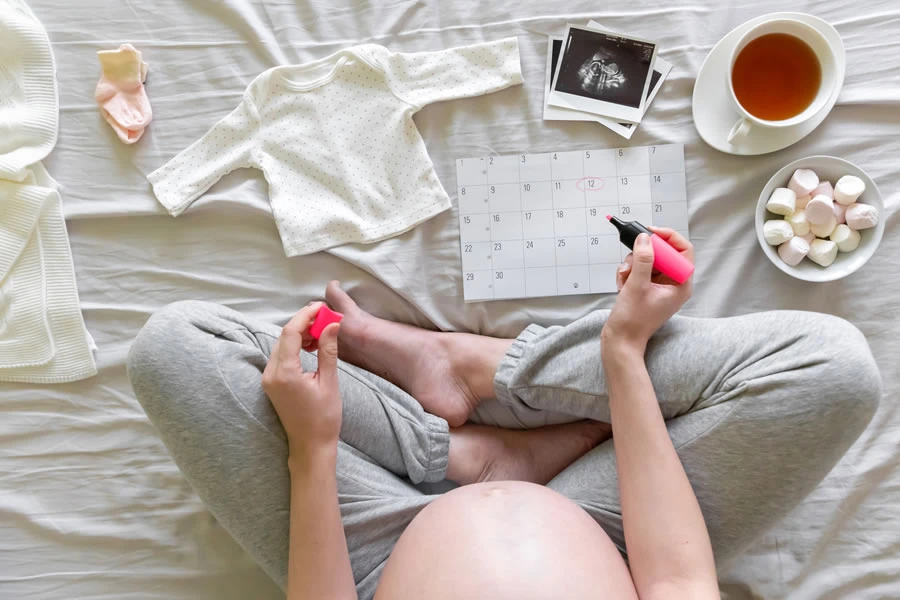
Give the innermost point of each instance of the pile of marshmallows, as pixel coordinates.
(819, 220)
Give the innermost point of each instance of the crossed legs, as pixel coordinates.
(759, 407)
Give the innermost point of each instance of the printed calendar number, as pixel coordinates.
(657, 208)
(468, 248)
(626, 210)
(570, 223)
(498, 275)
(470, 276)
(539, 253)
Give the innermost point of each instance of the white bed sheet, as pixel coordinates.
(91, 505)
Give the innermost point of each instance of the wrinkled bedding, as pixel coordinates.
(91, 504)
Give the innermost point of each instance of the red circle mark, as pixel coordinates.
(597, 187)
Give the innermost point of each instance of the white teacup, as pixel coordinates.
(825, 55)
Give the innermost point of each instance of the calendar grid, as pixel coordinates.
(534, 225)
(555, 258)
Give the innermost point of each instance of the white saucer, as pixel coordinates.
(714, 113)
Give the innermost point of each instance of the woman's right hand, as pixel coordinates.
(308, 404)
(646, 301)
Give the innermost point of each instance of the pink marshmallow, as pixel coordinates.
(839, 212)
(801, 202)
(824, 188)
(803, 181)
(861, 216)
(819, 210)
(793, 251)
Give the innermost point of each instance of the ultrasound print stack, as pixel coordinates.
(596, 75)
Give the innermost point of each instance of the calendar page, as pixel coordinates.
(535, 225)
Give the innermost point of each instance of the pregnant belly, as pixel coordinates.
(504, 540)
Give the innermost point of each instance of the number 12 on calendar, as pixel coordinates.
(534, 225)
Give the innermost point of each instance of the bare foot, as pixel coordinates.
(426, 364)
(482, 453)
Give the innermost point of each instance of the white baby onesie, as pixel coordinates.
(337, 143)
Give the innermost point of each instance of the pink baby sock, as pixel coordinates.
(120, 92)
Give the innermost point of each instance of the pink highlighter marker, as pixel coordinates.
(324, 318)
(666, 259)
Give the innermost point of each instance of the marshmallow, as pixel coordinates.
(825, 230)
(793, 251)
(803, 181)
(819, 211)
(782, 202)
(847, 239)
(802, 201)
(839, 212)
(824, 188)
(809, 237)
(861, 216)
(822, 252)
(798, 222)
(848, 188)
(777, 231)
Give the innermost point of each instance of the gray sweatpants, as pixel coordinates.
(760, 408)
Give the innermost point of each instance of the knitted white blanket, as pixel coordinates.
(42, 334)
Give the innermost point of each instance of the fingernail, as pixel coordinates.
(642, 240)
(623, 267)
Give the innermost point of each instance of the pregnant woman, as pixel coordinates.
(323, 470)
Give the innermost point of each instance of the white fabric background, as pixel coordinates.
(91, 505)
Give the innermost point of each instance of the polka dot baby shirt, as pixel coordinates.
(337, 143)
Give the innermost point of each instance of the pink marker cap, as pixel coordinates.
(324, 318)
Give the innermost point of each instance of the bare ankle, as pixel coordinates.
(475, 359)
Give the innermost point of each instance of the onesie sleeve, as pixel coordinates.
(224, 148)
(421, 78)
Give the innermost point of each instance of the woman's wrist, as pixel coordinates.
(307, 458)
(615, 343)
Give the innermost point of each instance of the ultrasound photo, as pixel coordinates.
(606, 69)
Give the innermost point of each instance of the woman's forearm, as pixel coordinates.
(319, 564)
(669, 550)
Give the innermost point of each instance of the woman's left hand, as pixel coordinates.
(308, 404)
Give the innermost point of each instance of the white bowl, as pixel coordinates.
(828, 168)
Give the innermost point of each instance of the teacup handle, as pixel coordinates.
(739, 130)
